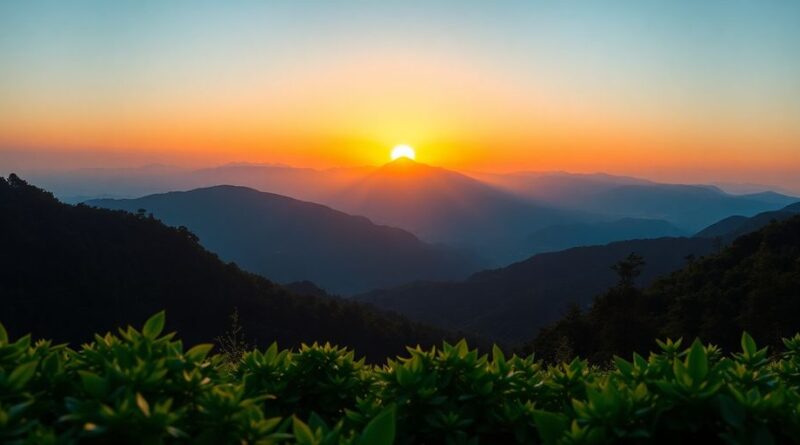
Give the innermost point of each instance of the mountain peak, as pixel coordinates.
(405, 169)
(403, 162)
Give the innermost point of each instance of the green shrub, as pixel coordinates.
(143, 387)
(324, 380)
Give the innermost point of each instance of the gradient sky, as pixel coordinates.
(672, 90)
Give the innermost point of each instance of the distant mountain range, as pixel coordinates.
(557, 187)
(496, 215)
(689, 207)
(448, 207)
(735, 226)
(510, 304)
(70, 271)
(560, 237)
(291, 240)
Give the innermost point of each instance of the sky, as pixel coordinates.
(674, 90)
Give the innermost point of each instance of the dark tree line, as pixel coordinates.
(67, 272)
(752, 285)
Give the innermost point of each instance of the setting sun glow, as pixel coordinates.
(475, 86)
(403, 151)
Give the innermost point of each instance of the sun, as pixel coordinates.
(403, 151)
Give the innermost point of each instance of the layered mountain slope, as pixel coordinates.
(69, 271)
(512, 303)
(564, 236)
(690, 207)
(492, 214)
(557, 187)
(444, 206)
(290, 240)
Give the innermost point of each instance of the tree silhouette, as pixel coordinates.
(628, 269)
(751, 285)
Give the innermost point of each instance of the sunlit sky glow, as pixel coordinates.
(674, 90)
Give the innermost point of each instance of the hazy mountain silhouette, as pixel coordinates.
(745, 188)
(512, 303)
(70, 271)
(290, 240)
(99, 183)
(74, 186)
(492, 214)
(301, 183)
(689, 207)
(564, 188)
(772, 197)
(735, 226)
(564, 236)
(445, 206)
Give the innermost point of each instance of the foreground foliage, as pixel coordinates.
(140, 386)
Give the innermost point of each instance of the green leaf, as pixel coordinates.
(141, 402)
(679, 370)
(315, 421)
(748, 345)
(461, 348)
(624, 366)
(381, 430)
(22, 374)
(405, 377)
(177, 433)
(697, 362)
(93, 384)
(302, 433)
(497, 355)
(23, 343)
(3, 335)
(639, 361)
(15, 411)
(51, 365)
(154, 325)
(551, 426)
(199, 352)
(732, 412)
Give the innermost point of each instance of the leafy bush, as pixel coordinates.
(141, 386)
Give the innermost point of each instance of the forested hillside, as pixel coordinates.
(67, 272)
(511, 304)
(752, 285)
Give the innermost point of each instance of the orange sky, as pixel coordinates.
(492, 89)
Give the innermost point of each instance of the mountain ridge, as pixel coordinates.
(511, 303)
(293, 240)
(77, 270)
(735, 226)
